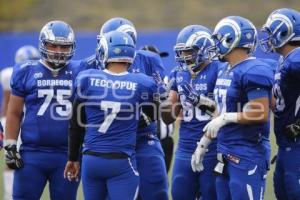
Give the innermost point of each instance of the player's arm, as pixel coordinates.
(76, 131)
(170, 109)
(257, 85)
(14, 116)
(256, 111)
(75, 140)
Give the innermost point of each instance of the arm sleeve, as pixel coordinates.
(257, 84)
(76, 131)
(174, 84)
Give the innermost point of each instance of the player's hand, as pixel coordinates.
(205, 104)
(198, 155)
(71, 171)
(189, 93)
(163, 88)
(212, 128)
(12, 157)
(292, 131)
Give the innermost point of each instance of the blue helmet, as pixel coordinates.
(119, 24)
(282, 26)
(234, 32)
(57, 33)
(194, 39)
(26, 52)
(115, 46)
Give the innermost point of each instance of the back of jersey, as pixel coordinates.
(111, 103)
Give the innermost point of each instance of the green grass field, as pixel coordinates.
(269, 195)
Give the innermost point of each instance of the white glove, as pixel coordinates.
(211, 129)
(198, 155)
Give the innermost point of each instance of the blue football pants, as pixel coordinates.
(40, 167)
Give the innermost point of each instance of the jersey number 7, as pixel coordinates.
(109, 118)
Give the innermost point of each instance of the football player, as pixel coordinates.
(149, 153)
(194, 81)
(105, 119)
(39, 108)
(24, 53)
(283, 30)
(243, 95)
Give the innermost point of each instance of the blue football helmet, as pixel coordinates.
(115, 46)
(233, 32)
(119, 24)
(26, 52)
(57, 33)
(282, 26)
(191, 46)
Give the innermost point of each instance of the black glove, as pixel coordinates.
(292, 131)
(12, 157)
(207, 105)
(204, 103)
(144, 121)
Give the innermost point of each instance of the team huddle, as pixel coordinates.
(96, 120)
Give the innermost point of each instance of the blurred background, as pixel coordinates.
(157, 22)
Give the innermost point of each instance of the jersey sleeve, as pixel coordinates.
(173, 76)
(18, 80)
(257, 83)
(5, 77)
(157, 66)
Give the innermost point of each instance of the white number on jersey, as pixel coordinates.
(115, 108)
(280, 104)
(221, 105)
(60, 94)
(189, 112)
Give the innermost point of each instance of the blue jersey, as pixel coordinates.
(89, 63)
(287, 94)
(111, 104)
(48, 102)
(193, 119)
(147, 62)
(248, 80)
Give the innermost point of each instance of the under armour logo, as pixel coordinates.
(68, 72)
(135, 70)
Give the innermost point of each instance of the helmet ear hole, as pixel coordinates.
(228, 40)
(283, 33)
